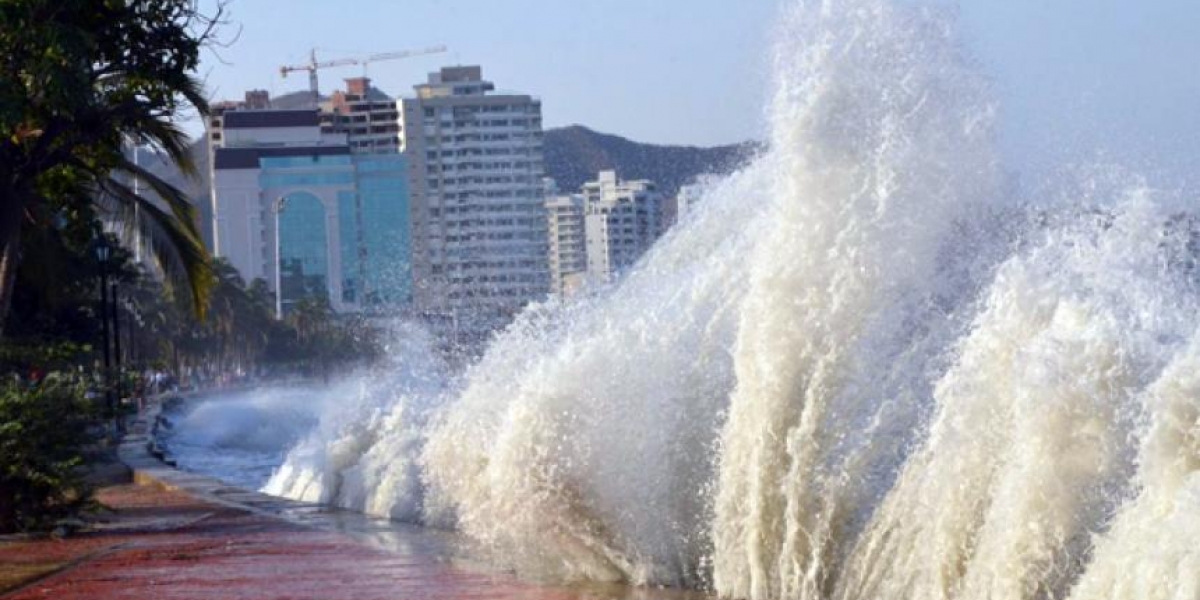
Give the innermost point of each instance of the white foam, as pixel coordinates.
(861, 369)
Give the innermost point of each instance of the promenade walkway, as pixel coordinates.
(172, 535)
(165, 544)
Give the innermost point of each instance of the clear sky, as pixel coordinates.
(1076, 78)
(1082, 80)
(686, 71)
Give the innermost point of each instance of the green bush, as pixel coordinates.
(43, 431)
(22, 356)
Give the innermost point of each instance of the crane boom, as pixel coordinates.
(321, 65)
(404, 54)
(314, 65)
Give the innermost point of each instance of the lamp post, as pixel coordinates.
(116, 329)
(103, 251)
(277, 208)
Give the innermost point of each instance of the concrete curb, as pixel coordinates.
(151, 466)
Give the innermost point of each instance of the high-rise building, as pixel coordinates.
(601, 230)
(622, 220)
(292, 205)
(568, 250)
(478, 214)
(369, 118)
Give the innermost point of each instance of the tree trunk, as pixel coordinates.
(11, 209)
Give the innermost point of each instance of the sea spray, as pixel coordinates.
(840, 378)
(262, 420)
(582, 443)
(363, 453)
(241, 436)
(882, 155)
(1029, 453)
(1150, 550)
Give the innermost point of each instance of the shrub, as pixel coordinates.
(43, 431)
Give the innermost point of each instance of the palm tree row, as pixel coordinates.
(239, 334)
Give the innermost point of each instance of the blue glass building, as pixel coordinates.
(294, 207)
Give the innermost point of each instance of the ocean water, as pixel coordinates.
(241, 437)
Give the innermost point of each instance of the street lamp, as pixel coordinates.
(277, 207)
(116, 330)
(103, 252)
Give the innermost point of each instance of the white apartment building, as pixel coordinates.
(602, 230)
(568, 249)
(689, 196)
(622, 221)
(477, 209)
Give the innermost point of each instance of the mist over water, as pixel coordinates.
(363, 453)
(242, 436)
(866, 367)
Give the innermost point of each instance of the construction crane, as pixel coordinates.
(314, 65)
(397, 55)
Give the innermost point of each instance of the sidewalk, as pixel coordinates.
(176, 535)
(167, 544)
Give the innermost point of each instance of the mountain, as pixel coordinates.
(575, 154)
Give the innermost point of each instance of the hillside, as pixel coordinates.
(575, 154)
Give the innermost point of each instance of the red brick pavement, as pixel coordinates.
(167, 545)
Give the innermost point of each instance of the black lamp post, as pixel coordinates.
(116, 328)
(103, 251)
(117, 358)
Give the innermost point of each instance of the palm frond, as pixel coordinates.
(177, 202)
(192, 89)
(171, 139)
(170, 235)
(151, 127)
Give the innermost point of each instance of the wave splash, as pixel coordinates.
(862, 369)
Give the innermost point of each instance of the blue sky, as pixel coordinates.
(1076, 78)
(689, 71)
(1081, 80)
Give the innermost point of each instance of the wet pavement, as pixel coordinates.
(174, 535)
(167, 544)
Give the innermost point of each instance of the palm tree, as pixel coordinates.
(78, 79)
(311, 317)
(240, 321)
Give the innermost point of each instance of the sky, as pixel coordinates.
(1076, 79)
(679, 71)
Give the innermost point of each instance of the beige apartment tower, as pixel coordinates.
(568, 251)
(478, 215)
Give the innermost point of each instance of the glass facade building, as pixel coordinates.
(295, 206)
(369, 255)
(303, 260)
(385, 229)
